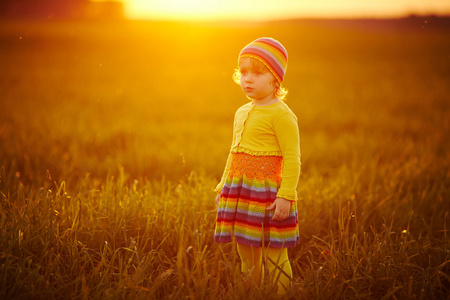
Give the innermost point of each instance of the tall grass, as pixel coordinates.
(113, 136)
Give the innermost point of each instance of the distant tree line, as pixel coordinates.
(61, 9)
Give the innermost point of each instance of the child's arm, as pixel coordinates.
(287, 133)
(286, 130)
(219, 187)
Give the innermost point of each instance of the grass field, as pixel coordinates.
(113, 136)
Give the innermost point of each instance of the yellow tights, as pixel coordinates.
(274, 258)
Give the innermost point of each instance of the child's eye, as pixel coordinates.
(244, 73)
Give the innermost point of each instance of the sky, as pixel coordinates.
(260, 10)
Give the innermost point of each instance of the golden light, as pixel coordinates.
(252, 10)
(179, 9)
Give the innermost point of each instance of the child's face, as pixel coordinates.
(256, 80)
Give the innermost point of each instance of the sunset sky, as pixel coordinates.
(257, 10)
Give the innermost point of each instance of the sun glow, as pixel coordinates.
(178, 9)
(252, 10)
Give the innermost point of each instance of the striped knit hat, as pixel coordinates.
(270, 52)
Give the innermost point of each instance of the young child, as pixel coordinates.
(256, 201)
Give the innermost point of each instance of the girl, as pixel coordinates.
(256, 201)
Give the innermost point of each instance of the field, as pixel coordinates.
(113, 136)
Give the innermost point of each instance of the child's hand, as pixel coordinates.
(282, 208)
(217, 201)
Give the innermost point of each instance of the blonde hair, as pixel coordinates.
(280, 91)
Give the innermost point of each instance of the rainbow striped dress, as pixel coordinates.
(250, 188)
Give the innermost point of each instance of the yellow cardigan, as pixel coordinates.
(268, 130)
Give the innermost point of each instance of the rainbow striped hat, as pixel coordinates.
(271, 53)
